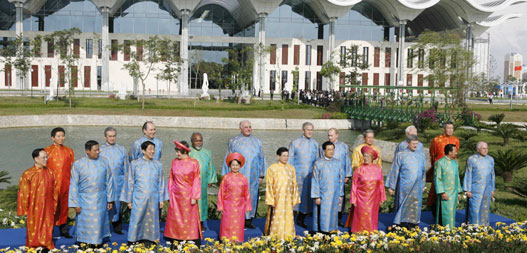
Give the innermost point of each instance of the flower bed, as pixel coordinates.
(502, 238)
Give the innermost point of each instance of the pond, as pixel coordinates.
(17, 143)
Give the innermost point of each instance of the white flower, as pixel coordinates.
(4, 221)
(12, 223)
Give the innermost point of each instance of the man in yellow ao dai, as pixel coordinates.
(281, 196)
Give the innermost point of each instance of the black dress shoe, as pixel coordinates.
(301, 224)
(249, 224)
(66, 235)
(341, 224)
(119, 232)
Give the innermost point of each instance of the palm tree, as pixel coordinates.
(506, 131)
(506, 162)
(4, 177)
(497, 118)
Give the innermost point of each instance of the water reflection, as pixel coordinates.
(17, 143)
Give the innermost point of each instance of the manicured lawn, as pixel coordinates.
(160, 107)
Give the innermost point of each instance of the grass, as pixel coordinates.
(160, 107)
(507, 203)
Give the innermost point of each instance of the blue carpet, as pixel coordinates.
(16, 237)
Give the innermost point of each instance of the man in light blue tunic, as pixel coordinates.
(207, 173)
(144, 192)
(254, 169)
(479, 185)
(118, 159)
(343, 155)
(303, 152)
(327, 190)
(149, 131)
(406, 180)
(91, 195)
(410, 130)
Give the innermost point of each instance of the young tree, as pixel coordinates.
(18, 55)
(196, 59)
(143, 63)
(169, 51)
(63, 42)
(330, 70)
(239, 67)
(448, 61)
(354, 63)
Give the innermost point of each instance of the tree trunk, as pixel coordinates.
(506, 141)
(143, 97)
(507, 176)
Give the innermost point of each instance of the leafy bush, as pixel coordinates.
(425, 120)
(339, 115)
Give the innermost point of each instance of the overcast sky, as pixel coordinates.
(509, 37)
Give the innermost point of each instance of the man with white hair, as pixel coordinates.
(410, 130)
(479, 185)
(251, 148)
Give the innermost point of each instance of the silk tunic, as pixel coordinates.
(118, 159)
(145, 188)
(184, 184)
(357, 159)
(136, 152)
(91, 189)
(326, 184)
(343, 155)
(37, 199)
(303, 152)
(367, 192)
(437, 151)
(480, 181)
(446, 179)
(407, 178)
(282, 194)
(233, 201)
(252, 150)
(208, 176)
(60, 160)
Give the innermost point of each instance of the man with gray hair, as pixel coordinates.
(118, 161)
(254, 169)
(303, 152)
(410, 130)
(357, 159)
(479, 185)
(406, 180)
(207, 173)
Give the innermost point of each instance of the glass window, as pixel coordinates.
(89, 48)
(308, 55)
(410, 60)
(365, 55)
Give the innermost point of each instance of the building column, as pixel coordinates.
(259, 67)
(105, 75)
(400, 70)
(469, 38)
(331, 47)
(183, 51)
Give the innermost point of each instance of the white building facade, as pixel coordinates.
(304, 34)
